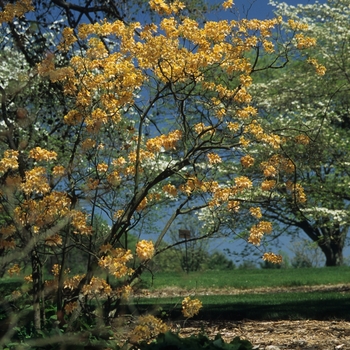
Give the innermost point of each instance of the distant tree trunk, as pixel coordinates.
(36, 275)
(331, 240)
(333, 253)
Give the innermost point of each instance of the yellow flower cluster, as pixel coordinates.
(97, 286)
(70, 307)
(304, 42)
(35, 181)
(115, 260)
(147, 327)
(302, 139)
(162, 8)
(145, 250)
(256, 212)
(44, 212)
(214, 158)
(7, 244)
(201, 128)
(9, 161)
(227, 4)
(170, 189)
(167, 142)
(243, 182)
(102, 167)
(247, 161)
(247, 112)
(257, 130)
(320, 69)
(68, 38)
(268, 185)
(191, 307)
(192, 184)
(297, 191)
(257, 232)
(294, 25)
(271, 257)
(53, 240)
(78, 220)
(17, 9)
(40, 154)
(58, 170)
(14, 270)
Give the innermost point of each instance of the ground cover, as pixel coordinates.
(248, 278)
(274, 309)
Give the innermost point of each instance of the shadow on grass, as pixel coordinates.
(318, 309)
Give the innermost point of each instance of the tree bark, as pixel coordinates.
(331, 241)
(333, 254)
(36, 275)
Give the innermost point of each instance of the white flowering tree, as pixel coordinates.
(296, 101)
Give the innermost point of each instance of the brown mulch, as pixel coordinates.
(267, 335)
(278, 335)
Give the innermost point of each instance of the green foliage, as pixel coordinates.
(194, 342)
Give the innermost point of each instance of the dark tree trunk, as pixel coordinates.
(331, 240)
(36, 275)
(333, 252)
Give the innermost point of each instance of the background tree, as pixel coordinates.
(315, 112)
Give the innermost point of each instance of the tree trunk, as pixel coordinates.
(36, 275)
(331, 240)
(333, 253)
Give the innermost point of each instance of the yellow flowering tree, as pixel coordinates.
(146, 117)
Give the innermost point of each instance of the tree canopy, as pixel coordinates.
(298, 102)
(118, 119)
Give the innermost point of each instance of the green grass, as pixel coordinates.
(247, 279)
(264, 306)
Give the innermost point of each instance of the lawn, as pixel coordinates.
(249, 279)
(289, 304)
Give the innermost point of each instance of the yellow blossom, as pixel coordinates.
(9, 160)
(35, 181)
(320, 69)
(17, 9)
(58, 170)
(15, 269)
(191, 307)
(102, 167)
(70, 307)
(271, 257)
(147, 327)
(145, 250)
(54, 240)
(302, 139)
(243, 182)
(267, 185)
(214, 158)
(256, 212)
(170, 189)
(257, 232)
(68, 38)
(247, 161)
(79, 222)
(40, 154)
(227, 4)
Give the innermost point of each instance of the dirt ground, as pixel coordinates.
(274, 335)
(269, 335)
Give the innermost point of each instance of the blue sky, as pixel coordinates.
(261, 9)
